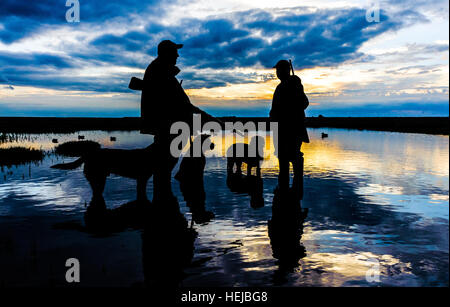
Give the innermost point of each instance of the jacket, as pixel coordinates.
(288, 108)
(163, 100)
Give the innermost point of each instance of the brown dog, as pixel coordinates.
(137, 164)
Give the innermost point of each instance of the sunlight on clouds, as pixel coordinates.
(206, 8)
(38, 98)
(439, 197)
(61, 39)
(317, 82)
(106, 70)
(408, 65)
(248, 91)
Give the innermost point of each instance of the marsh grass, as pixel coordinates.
(20, 155)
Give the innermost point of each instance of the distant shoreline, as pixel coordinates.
(425, 125)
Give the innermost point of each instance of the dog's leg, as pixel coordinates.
(142, 189)
(239, 167)
(230, 165)
(97, 183)
(249, 169)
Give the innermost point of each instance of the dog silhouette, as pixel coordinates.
(250, 154)
(138, 164)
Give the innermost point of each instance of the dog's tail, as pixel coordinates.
(71, 165)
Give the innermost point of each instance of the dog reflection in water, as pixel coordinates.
(190, 176)
(285, 232)
(250, 184)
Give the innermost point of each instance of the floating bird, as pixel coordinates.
(324, 135)
(55, 141)
(81, 137)
(113, 139)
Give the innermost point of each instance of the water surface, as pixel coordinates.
(372, 197)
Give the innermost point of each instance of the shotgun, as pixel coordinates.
(292, 67)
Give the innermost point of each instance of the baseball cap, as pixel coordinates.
(282, 64)
(168, 45)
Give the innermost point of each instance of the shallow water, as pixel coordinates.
(376, 200)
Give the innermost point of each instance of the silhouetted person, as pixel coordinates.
(190, 177)
(285, 231)
(288, 109)
(164, 102)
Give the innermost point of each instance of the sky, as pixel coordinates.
(350, 62)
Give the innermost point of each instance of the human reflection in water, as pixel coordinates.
(167, 241)
(167, 251)
(190, 177)
(285, 232)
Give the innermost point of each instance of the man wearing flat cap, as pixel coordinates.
(164, 102)
(288, 109)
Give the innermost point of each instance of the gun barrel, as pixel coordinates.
(292, 67)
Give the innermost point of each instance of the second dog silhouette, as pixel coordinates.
(250, 154)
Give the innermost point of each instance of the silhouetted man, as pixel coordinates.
(288, 109)
(164, 102)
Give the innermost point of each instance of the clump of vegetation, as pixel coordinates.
(76, 148)
(19, 155)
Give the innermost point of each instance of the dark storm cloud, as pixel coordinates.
(326, 37)
(32, 61)
(210, 79)
(57, 81)
(253, 38)
(132, 41)
(21, 18)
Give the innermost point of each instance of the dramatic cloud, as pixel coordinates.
(32, 61)
(19, 19)
(254, 38)
(260, 38)
(117, 39)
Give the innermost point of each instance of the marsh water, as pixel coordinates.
(376, 201)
